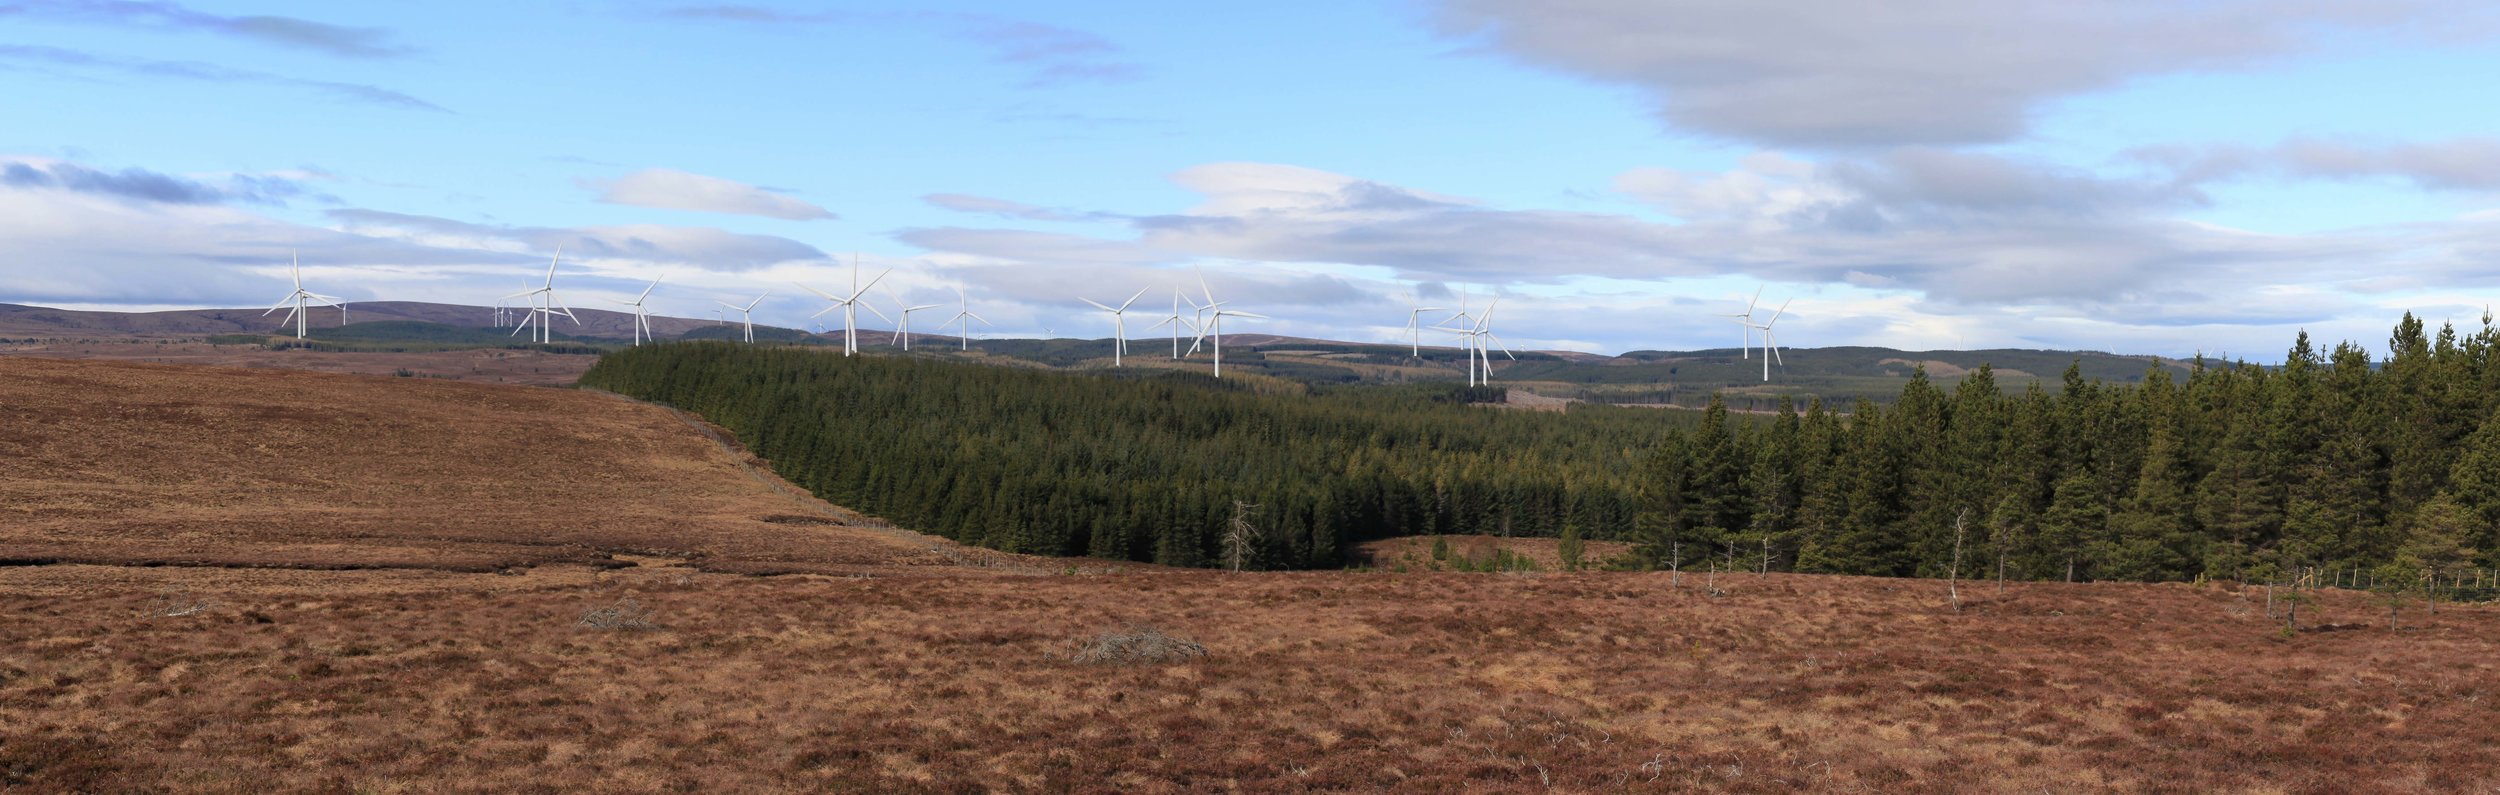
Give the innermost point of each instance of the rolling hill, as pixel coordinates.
(1688, 378)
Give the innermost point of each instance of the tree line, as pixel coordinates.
(2232, 470)
(2333, 460)
(1149, 465)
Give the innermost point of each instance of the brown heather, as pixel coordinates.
(269, 581)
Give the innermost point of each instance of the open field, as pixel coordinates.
(497, 366)
(123, 463)
(438, 545)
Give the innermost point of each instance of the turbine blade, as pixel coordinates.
(872, 309)
(1098, 305)
(1775, 316)
(872, 283)
(1141, 293)
(646, 292)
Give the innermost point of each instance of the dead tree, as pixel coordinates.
(1675, 563)
(1240, 536)
(1953, 576)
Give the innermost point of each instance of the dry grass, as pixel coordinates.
(532, 368)
(1322, 681)
(897, 675)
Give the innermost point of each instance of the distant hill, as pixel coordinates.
(37, 321)
(1688, 378)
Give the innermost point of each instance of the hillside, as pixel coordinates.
(136, 464)
(1839, 375)
(286, 581)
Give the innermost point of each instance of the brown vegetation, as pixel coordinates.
(488, 366)
(882, 667)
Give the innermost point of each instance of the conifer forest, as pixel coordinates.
(2335, 459)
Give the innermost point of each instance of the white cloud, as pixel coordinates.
(1846, 73)
(668, 189)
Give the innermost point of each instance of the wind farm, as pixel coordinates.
(2125, 416)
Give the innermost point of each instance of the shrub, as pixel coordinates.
(1137, 646)
(625, 615)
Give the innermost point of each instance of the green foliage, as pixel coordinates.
(1570, 549)
(1118, 465)
(2333, 460)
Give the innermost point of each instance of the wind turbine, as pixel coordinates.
(302, 299)
(967, 317)
(746, 314)
(1462, 318)
(544, 305)
(1415, 327)
(1474, 343)
(642, 317)
(1745, 319)
(1175, 321)
(902, 318)
(1119, 323)
(1770, 344)
(1215, 314)
(849, 304)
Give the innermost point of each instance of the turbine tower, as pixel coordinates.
(1415, 327)
(967, 317)
(1745, 321)
(303, 300)
(642, 317)
(746, 314)
(1476, 336)
(1119, 323)
(902, 318)
(1175, 321)
(1463, 319)
(544, 306)
(1770, 344)
(1214, 327)
(850, 304)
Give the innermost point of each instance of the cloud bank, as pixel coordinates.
(669, 189)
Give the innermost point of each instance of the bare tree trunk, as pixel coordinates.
(1239, 537)
(1765, 571)
(1953, 576)
(1676, 564)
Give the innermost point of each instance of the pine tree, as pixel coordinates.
(2075, 516)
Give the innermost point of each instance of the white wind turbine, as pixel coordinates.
(746, 314)
(303, 300)
(967, 317)
(1214, 326)
(1745, 321)
(850, 304)
(1415, 327)
(642, 316)
(1475, 338)
(1175, 321)
(902, 318)
(1770, 344)
(1463, 319)
(1119, 323)
(544, 306)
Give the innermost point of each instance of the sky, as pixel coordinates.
(2157, 177)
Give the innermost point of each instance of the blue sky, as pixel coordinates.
(2141, 177)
